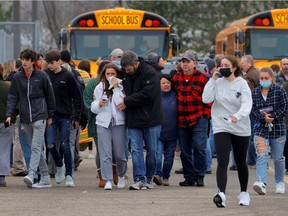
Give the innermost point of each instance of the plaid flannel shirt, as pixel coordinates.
(277, 99)
(189, 97)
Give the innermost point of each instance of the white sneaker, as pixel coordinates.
(28, 180)
(220, 200)
(60, 174)
(244, 198)
(44, 182)
(280, 188)
(69, 181)
(91, 156)
(259, 187)
(121, 182)
(108, 186)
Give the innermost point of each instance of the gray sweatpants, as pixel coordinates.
(35, 133)
(112, 141)
(6, 140)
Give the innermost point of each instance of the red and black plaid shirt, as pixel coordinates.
(189, 94)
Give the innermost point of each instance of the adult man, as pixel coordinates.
(252, 78)
(115, 57)
(33, 91)
(282, 76)
(66, 90)
(193, 120)
(252, 74)
(143, 116)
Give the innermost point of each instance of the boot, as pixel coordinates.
(115, 175)
(101, 181)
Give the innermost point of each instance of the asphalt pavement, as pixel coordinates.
(86, 198)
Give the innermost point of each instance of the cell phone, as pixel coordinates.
(6, 124)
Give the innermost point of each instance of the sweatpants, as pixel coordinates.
(111, 141)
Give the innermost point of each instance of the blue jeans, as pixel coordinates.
(277, 147)
(194, 138)
(150, 136)
(168, 148)
(51, 133)
(25, 144)
(251, 156)
(210, 149)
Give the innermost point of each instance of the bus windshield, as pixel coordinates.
(93, 44)
(270, 44)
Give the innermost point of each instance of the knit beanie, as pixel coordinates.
(210, 63)
(65, 56)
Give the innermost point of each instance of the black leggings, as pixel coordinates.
(223, 142)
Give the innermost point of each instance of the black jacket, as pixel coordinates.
(66, 89)
(35, 96)
(143, 97)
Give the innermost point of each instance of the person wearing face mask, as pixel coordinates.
(270, 104)
(232, 102)
(282, 76)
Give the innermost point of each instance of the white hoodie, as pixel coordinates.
(229, 98)
(109, 110)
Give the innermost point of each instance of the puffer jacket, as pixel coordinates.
(108, 112)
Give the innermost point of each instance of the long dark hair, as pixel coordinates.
(103, 79)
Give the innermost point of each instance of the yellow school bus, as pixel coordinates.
(95, 34)
(263, 35)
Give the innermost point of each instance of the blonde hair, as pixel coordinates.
(268, 70)
(8, 68)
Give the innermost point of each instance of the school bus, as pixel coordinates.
(263, 35)
(95, 34)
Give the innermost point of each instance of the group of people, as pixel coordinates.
(132, 105)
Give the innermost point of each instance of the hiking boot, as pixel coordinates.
(244, 198)
(187, 182)
(101, 180)
(157, 180)
(138, 185)
(69, 181)
(259, 187)
(43, 183)
(28, 180)
(220, 200)
(200, 181)
(179, 171)
(233, 168)
(121, 182)
(60, 174)
(280, 188)
(165, 182)
(115, 174)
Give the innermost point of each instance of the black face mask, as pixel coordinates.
(225, 72)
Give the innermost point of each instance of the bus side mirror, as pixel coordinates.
(212, 51)
(239, 37)
(62, 38)
(176, 44)
(238, 53)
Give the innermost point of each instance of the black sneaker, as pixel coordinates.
(200, 181)
(179, 171)
(187, 182)
(220, 200)
(233, 168)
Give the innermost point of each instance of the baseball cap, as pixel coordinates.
(188, 56)
(117, 53)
